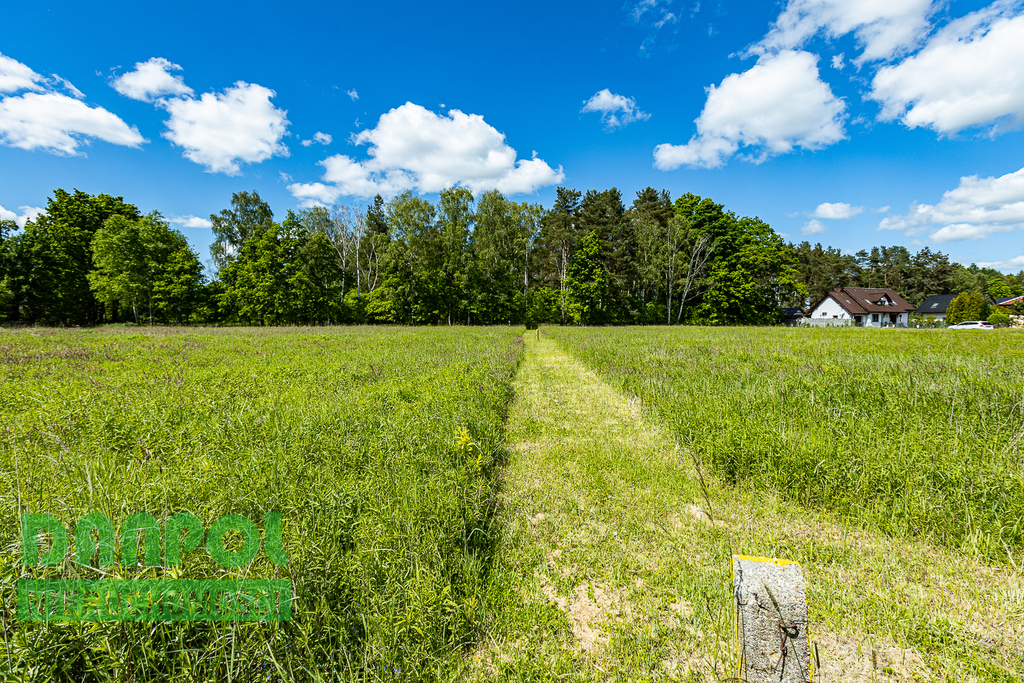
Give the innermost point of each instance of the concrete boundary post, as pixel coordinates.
(771, 620)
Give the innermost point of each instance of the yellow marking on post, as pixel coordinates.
(769, 560)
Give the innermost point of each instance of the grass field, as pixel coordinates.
(459, 505)
(917, 432)
(620, 558)
(378, 447)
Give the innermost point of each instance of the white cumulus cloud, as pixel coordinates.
(190, 221)
(776, 105)
(412, 148)
(616, 110)
(151, 80)
(883, 28)
(222, 130)
(60, 124)
(15, 76)
(970, 73)
(353, 94)
(28, 213)
(318, 138)
(813, 227)
(839, 210)
(975, 209)
(218, 130)
(52, 121)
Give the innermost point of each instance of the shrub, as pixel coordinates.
(999, 319)
(967, 306)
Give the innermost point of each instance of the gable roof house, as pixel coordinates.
(792, 316)
(860, 307)
(935, 307)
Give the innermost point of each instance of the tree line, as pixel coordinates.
(587, 260)
(914, 276)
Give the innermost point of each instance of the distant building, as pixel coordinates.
(792, 316)
(935, 307)
(1008, 300)
(860, 307)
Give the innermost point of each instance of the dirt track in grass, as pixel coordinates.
(615, 562)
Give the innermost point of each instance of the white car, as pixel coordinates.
(972, 325)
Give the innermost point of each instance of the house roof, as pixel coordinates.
(1007, 300)
(862, 300)
(938, 303)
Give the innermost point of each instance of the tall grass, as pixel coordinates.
(377, 446)
(916, 432)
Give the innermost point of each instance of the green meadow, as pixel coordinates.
(377, 446)
(915, 432)
(488, 504)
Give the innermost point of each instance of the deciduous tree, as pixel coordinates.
(54, 254)
(145, 267)
(232, 228)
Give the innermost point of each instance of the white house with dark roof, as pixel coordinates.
(935, 307)
(860, 307)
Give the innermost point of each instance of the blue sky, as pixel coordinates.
(852, 123)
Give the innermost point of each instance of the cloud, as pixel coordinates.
(48, 120)
(190, 221)
(151, 80)
(28, 213)
(837, 61)
(975, 209)
(839, 210)
(15, 76)
(616, 110)
(412, 148)
(319, 194)
(778, 104)
(883, 28)
(220, 130)
(60, 124)
(318, 138)
(970, 73)
(653, 15)
(67, 85)
(1016, 263)
(353, 94)
(217, 130)
(813, 227)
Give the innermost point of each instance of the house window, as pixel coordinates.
(874, 317)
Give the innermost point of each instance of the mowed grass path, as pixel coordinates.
(616, 564)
